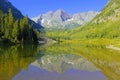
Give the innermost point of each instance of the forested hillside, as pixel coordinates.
(5, 5)
(104, 25)
(16, 31)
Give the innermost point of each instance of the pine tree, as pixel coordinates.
(35, 36)
(1, 23)
(6, 26)
(10, 23)
(15, 31)
(26, 30)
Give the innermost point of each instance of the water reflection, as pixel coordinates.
(60, 67)
(64, 61)
(107, 60)
(58, 63)
(15, 58)
(35, 73)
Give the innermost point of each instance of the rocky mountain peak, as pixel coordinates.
(59, 11)
(62, 15)
(61, 19)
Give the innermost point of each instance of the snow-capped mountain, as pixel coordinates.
(61, 19)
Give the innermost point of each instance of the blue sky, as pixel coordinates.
(35, 7)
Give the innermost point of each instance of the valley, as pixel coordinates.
(60, 43)
(104, 26)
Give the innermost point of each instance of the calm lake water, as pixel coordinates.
(64, 61)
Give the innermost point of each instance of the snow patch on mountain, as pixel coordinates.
(61, 19)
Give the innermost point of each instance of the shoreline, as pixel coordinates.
(113, 47)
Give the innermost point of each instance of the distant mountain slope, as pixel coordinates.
(5, 5)
(61, 19)
(105, 25)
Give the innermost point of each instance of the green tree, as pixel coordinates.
(1, 23)
(15, 31)
(6, 26)
(26, 30)
(10, 24)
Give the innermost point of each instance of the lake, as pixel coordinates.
(64, 61)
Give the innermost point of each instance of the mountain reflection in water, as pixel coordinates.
(61, 67)
(75, 61)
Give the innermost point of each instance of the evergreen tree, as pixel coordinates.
(15, 31)
(20, 37)
(6, 26)
(35, 36)
(1, 23)
(10, 23)
(25, 30)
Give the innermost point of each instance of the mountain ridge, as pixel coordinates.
(104, 25)
(5, 5)
(61, 19)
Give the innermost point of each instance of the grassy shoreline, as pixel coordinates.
(115, 42)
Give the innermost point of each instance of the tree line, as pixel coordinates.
(16, 31)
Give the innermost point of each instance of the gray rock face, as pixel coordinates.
(62, 62)
(61, 19)
(84, 17)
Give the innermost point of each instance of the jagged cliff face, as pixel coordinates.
(62, 62)
(61, 19)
